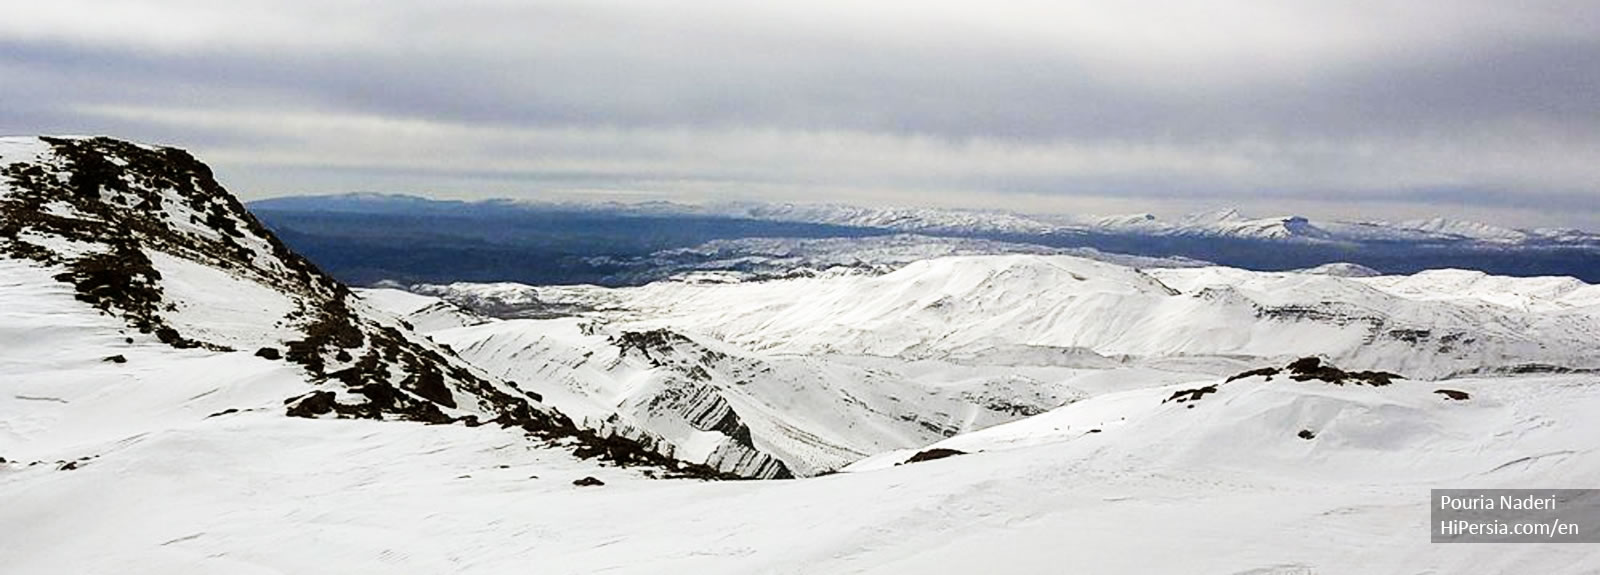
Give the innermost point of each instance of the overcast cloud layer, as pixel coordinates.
(1350, 108)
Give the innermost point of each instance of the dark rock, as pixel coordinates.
(1095, 430)
(126, 195)
(428, 383)
(1375, 378)
(1305, 365)
(1453, 395)
(1410, 335)
(312, 404)
(116, 359)
(227, 411)
(1184, 395)
(1267, 372)
(380, 395)
(68, 466)
(1309, 368)
(1307, 434)
(935, 453)
(588, 482)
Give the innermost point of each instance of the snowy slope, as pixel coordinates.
(755, 259)
(1225, 487)
(1223, 223)
(823, 369)
(751, 413)
(146, 235)
(139, 296)
(1426, 326)
(141, 430)
(1344, 270)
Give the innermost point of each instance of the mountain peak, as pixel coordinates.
(145, 234)
(1465, 229)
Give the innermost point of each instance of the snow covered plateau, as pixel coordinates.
(182, 393)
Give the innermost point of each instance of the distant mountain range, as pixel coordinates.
(365, 238)
(1225, 223)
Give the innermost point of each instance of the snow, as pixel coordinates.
(1225, 487)
(1226, 222)
(13, 149)
(258, 493)
(754, 259)
(220, 307)
(957, 305)
(1343, 269)
(396, 301)
(1465, 229)
(1534, 294)
(1053, 374)
(62, 398)
(827, 369)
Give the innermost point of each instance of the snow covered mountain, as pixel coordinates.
(365, 239)
(1431, 324)
(1226, 223)
(819, 369)
(750, 259)
(130, 264)
(1223, 223)
(180, 393)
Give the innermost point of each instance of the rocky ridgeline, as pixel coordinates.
(690, 393)
(1303, 369)
(98, 208)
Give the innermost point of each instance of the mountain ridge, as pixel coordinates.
(366, 240)
(1228, 222)
(146, 235)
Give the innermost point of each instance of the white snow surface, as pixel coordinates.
(1429, 325)
(827, 369)
(1225, 487)
(1049, 372)
(1229, 223)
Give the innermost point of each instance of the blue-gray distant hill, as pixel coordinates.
(364, 238)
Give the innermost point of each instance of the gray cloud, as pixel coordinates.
(1465, 106)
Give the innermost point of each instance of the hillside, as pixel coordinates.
(1429, 325)
(818, 370)
(130, 264)
(182, 393)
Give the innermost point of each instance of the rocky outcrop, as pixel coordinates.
(105, 212)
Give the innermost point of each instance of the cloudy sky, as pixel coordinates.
(1341, 108)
